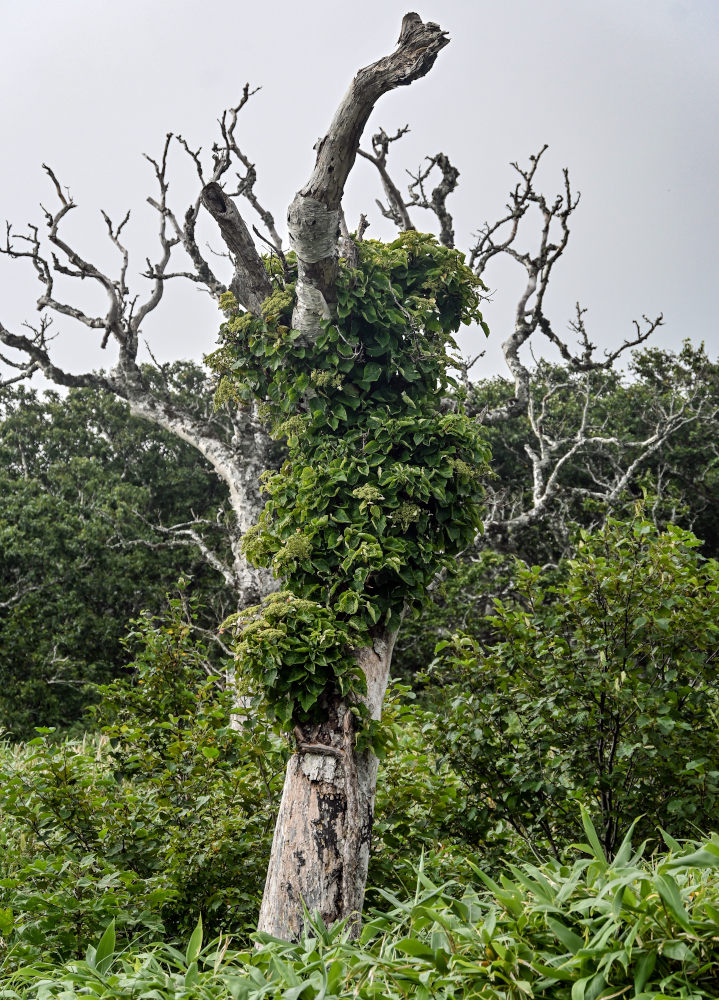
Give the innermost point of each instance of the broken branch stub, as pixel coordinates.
(250, 284)
(314, 216)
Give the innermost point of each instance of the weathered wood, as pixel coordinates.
(313, 218)
(417, 48)
(250, 284)
(321, 845)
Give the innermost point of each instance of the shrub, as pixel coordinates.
(593, 931)
(600, 685)
(166, 817)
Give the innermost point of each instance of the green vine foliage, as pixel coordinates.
(382, 486)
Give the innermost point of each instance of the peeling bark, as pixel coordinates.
(321, 845)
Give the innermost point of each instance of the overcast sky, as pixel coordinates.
(625, 92)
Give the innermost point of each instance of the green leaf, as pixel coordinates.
(704, 858)
(645, 967)
(592, 835)
(669, 892)
(105, 949)
(371, 372)
(589, 987)
(418, 949)
(195, 943)
(571, 941)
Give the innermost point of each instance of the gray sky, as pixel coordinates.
(623, 91)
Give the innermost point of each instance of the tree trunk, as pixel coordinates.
(320, 850)
(321, 846)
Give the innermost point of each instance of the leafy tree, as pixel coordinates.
(599, 686)
(90, 503)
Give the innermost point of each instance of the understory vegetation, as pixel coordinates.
(511, 859)
(545, 821)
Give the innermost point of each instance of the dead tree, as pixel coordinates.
(611, 462)
(321, 846)
(336, 854)
(234, 443)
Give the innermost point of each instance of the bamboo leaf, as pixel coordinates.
(195, 944)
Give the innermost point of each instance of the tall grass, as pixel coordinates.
(641, 929)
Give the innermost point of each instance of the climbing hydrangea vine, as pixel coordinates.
(381, 487)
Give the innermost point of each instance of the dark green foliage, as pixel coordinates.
(63, 875)
(169, 813)
(380, 488)
(645, 929)
(165, 816)
(82, 483)
(295, 649)
(459, 602)
(599, 685)
(419, 806)
(680, 479)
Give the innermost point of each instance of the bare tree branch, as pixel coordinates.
(246, 188)
(239, 452)
(586, 360)
(396, 209)
(25, 369)
(182, 535)
(437, 201)
(500, 238)
(609, 462)
(35, 348)
(313, 216)
(251, 283)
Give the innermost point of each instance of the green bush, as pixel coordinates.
(419, 805)
(646, 930)
(600, 685)
(166, 817)
(168, 814)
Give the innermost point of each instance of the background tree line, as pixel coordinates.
(96, 529)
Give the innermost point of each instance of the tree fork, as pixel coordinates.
(321, 845)
(314, 216)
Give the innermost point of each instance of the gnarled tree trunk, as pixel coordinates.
(321, 844)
